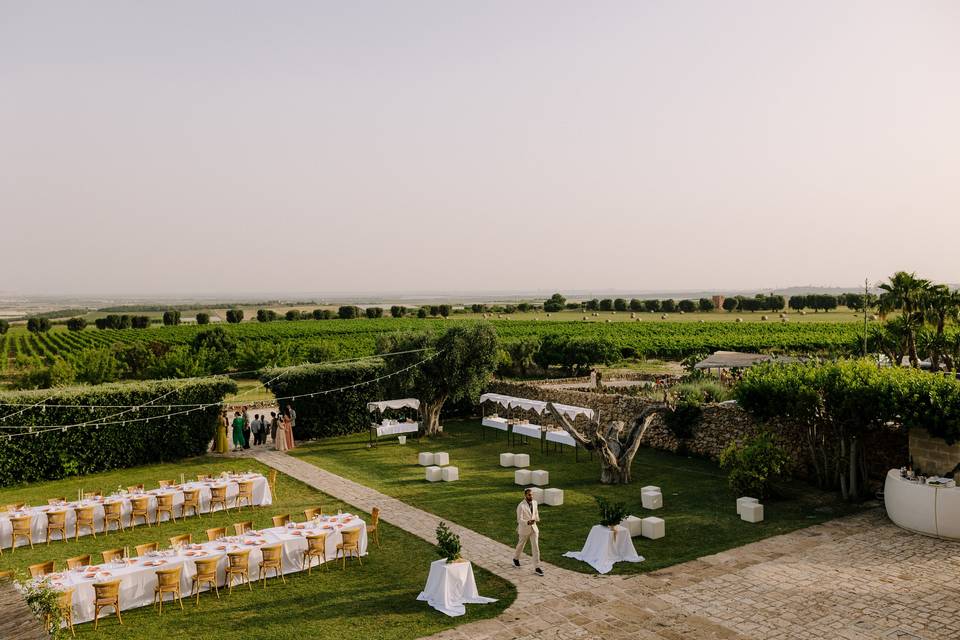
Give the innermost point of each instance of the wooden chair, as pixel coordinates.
(90, 495)
(165, 505)
(6, 575)
(272, 559)
(147, 547)
(218, 495)
(206, 574)
(111, 555)
(112, 512)
(242, 527)
(106, 594)
(41, 569)
(57, 523)
(203, 477)
(316, 548)
(78, 561)
(186, 538)
(22, 528)
(374, 526)
(245, 493)
(191, 500)
(65, 604)
(312, 513)
(165, 483)
(272, 483)
(85, 519)
(238, 564)
(16, 506)
(134, 488)
(350, 545)
(56, 501)
(281, 521)
(216, 533)
(168, 581)
(140, 508)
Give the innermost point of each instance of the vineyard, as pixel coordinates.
(351, 338)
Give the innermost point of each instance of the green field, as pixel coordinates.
(377, 600)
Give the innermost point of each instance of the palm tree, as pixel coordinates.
(942, 305)
(908, 293)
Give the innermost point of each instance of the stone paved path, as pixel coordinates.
(856, 578)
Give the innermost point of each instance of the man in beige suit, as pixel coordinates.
(527, 518)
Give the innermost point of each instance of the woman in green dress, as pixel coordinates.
(238, 440)
(221, 444)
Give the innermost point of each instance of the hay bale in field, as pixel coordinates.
(764, 318)
(739, 320)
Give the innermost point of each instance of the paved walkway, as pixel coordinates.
(856, 578)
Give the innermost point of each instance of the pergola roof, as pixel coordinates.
(737, 360)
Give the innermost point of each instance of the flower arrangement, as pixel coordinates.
(448, 543)
(611, 513)
(44, 600)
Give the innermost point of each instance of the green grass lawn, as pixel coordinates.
(699, 509)
(376, 601)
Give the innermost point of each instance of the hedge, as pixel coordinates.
(83, 450)
(332, 414)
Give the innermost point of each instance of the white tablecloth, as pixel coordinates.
(562, 437)
(138, 579)
(261, 497)
(495, 423)
(395, 429)
(450, 586)
(532, 430)
(602, 548)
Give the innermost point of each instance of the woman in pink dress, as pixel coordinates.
(280, 441)
(288, 430)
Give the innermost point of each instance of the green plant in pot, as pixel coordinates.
(611, 513)
(448, 543)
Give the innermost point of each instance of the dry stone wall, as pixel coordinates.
(933, 455)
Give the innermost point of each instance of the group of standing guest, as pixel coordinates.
(246, 432)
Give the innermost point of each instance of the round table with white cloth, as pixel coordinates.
(605, 547)
(450, 585)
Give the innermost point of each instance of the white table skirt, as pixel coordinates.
(450, 586)
(137, 581)
(531, 430)
(395, 429)
(602, 548)
(495, 423)
(261, 497)
(561, 437)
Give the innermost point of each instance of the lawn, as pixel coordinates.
(376, 601)
(699, 509)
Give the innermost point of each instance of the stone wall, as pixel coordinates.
(933, 455)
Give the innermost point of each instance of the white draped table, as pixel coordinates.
(450, 586)
(261, 497)
(606, 546)
(138, 575)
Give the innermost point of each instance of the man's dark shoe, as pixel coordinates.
(516, 562)
(538, 571)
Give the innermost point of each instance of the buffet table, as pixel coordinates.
(930, 509)
(392, 428)
(261, 496)
(138, 575)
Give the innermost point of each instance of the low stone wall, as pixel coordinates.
(933, 455)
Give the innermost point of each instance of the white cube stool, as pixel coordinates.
(743, 501)
(651, 499)
(506, 459)
(633, 525)
(521, 476)
(449, 474)
(650, 487)
(521, 460)
(752, 512)
(652, 528)
(441, 459)
(536, 493)
(425, 459)
(540, 477)
(434, 474)
(553, 497)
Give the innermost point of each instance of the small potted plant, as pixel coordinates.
(611, 513)
(448, 544)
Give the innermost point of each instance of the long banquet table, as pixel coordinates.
(261, 497)
(138, 575)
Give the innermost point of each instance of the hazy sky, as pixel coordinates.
(230, 147)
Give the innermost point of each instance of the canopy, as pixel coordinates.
(403, 403)
(539, 406)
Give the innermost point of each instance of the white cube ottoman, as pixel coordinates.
(425, 459)
(521, 476)
(650, 487)
(506, 459)
(553, 497)
(743, 501)
(521, 460)
(633, 525)
(434, 474)
(449, 474)
(652, 528)
(751, 512)
(651, 499)
(441, 459)
(540, 477)
(536, 493)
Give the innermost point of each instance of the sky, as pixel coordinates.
(204, 147)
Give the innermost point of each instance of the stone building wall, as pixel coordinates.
(933, 455)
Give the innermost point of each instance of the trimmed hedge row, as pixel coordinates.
(77, 451)
(332, 414)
